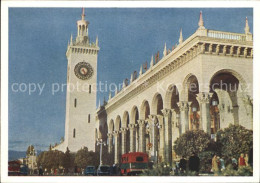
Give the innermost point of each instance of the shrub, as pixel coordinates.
(191, 141)
(235, 140)
(158, 170)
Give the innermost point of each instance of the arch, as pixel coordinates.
(111, 126)
(229, 87)
(157, 104)
(125, 120)
(172, 97)
(238, 76)
(190, 87)
(134, 115)
(118, 123)
(145, 110)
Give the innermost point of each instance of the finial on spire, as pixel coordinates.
(165, 50)
(97, 41)
(115, 90)
(110, 96)
(201, 22)
(181, 38)
(71, 39)
(247, 28)
(151, 63)
(83, 14)
(141, 70)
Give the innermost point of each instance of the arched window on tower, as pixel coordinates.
(89, 88)
(74, 133)
(75, 102)
(89, 118)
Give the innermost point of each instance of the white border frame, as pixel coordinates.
(128, 4)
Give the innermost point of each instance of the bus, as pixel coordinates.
(134, 163)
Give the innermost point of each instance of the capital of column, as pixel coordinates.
(166, 112)
(116, 133)
(141, 122)
(123, 130)
(204, 97)
(109, 135)
(153, 118)
(183, 106)
(132, 126)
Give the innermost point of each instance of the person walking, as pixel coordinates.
(234, 163)
(246, 159)
(222, 164)
(183, 163)
(40, 171)
(194, 163)
(214, 164)
(241, 161)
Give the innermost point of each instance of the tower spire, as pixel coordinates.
(83, 14)
(181, 38)
(201, 22)
(247, 28)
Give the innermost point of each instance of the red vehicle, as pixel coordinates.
(134, 163)
(16, 168)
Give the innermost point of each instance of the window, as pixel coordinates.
(75, 102)
(89, 118)
(139, 158)
(89, 88)
(74, 133)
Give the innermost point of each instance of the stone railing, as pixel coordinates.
(226, 35)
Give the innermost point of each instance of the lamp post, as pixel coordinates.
(154, 152)
(101, 143)
(216, 123)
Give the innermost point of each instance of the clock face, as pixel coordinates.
(83, 70)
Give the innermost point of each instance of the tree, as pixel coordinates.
(192, 141)
(84, 158)
(50, 159)
(67, 161)
(235, 140)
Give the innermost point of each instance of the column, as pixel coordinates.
(203, 99)
(132, 128)
(110, 142)
(123, 136)
(154, 139)
(167, 114)
(184, 116)
(161, 128)
(116, 137)
(141, 135)
(248, 104)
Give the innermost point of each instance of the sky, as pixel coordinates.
(38, 39)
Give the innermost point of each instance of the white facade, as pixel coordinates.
(178, 92)
(81, 91)
(182, 92)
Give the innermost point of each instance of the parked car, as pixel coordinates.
(90, 170)
(103, 170)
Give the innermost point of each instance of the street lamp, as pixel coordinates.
(178, 118)
(101, 143)
(216, 123)
(154, 153)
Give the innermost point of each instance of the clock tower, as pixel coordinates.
(81, 90)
